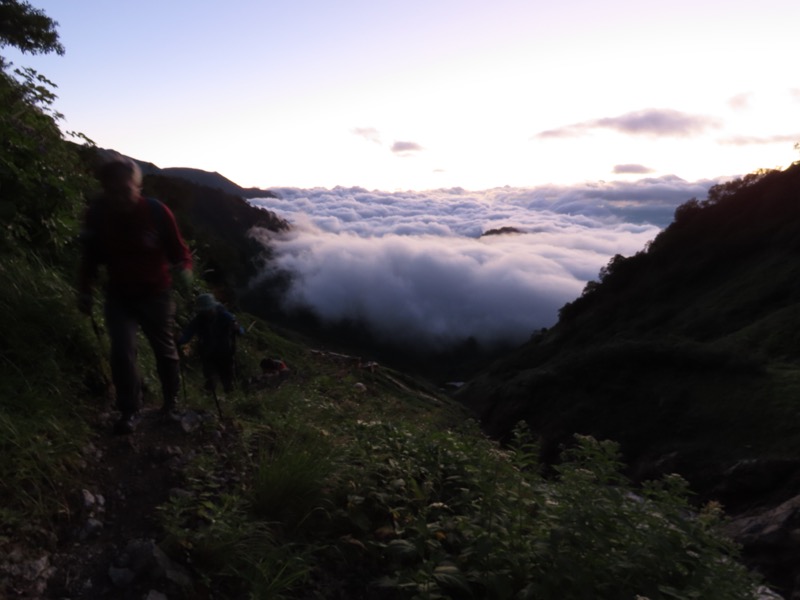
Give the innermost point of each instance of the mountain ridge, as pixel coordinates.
(670, 337)
(211, 179)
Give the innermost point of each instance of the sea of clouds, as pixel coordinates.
(415, 267)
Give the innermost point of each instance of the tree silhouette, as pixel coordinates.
(28, 29)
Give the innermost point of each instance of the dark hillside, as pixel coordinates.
(741, 242)
(219, 222)
(685, 353)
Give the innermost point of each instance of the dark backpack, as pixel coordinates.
(219, 332)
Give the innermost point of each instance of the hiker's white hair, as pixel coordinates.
(116, 165)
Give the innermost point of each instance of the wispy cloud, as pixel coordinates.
(368, 133)
(649, 122)
(741, 101)
(400, 147)
(406, 148)
(749, 140)
(632, 169)
(415, 266)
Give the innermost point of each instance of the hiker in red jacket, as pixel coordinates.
(138, 241)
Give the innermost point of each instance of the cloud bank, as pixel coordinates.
(415, 267)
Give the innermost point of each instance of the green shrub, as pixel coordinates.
(466, 520)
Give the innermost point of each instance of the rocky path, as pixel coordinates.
(103, 544)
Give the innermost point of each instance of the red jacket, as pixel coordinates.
(138, 248)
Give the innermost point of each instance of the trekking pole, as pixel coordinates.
(183, 376)
(216, 401)
(181, 369)
(96, 328)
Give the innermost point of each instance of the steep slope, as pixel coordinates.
(684, 353)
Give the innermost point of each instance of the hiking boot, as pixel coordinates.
(126, 425)
(170, 410)
(171, 415)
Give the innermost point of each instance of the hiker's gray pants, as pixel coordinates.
(156, 317)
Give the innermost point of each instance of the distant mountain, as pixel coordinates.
(215, 180)
(501, 231)
(205, 178)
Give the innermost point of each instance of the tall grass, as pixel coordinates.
(47, 355)
(230, 552)
(289, 479)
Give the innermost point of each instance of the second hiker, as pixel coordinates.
(216, 330)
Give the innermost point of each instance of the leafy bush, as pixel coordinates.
(463, 519)
(41, 176)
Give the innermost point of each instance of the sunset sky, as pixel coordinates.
(427, 94)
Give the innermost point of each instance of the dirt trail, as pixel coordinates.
(103, 545)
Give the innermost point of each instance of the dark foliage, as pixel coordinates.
(27, 28)
(744, 223)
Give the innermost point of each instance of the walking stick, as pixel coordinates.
(96, 329)
(106, 376)
(183, 377)
(216, 401)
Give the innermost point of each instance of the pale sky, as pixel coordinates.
(427, 94)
